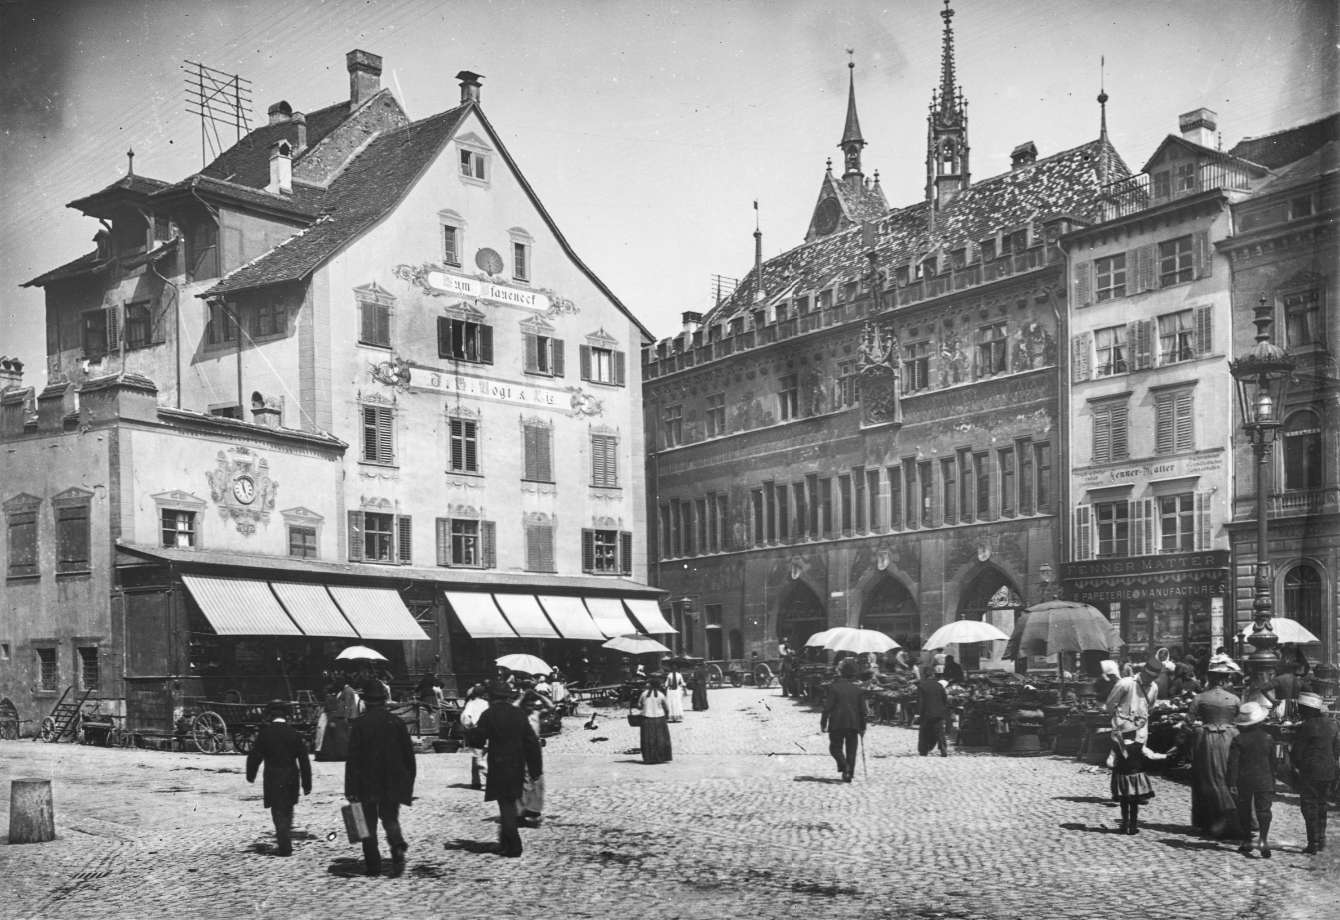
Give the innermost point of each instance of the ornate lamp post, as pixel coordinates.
(1262, 376)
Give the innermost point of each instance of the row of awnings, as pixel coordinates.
(248, 607)
(552, 616)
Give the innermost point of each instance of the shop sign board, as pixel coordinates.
(1137, 578)
(1172, 468)
(487, 290)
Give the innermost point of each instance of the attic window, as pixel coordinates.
(988, 249)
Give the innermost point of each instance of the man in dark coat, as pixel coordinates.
(513, 753)
(843, 718)
(1314, 753)
(379, 774)
(933, 705)
(287, 767)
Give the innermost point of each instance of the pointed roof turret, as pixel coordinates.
(851, 142)
(947, 164)
(950, 95)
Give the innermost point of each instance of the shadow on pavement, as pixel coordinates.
(1185, 830)
(1194, 844)
(346, 867)
(1084, 799)
(470, 846)
(464, 786)
(1088, 829)
(819, 779)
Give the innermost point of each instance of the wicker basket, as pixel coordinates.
(635, 719)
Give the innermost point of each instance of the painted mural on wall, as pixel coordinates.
(241, 486)
(877, 367)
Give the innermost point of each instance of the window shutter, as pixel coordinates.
(1185, 421)
(443, 337)
(1204, 330)
(546, 548)
(1202, 254)
(486, 344)
(385, 439)
(404, 532)
(625, 552)
(1119, 430)
(456, 439)
(1102, 435)
(1164, 419)
(1083, 532)
(383, 325)
(584, 361)
(1202, 505)
(529, 451)
(532, 353)
(1083, 284)
(544, 454)
(588, 550)
(533, 549)
(1081, 348)
(618, 368)
(443, 541)
(356, 536)
(113, 327)
(1146, 268)
(1141, 512)
(157, 332)
(488, 538)
(1140, 335)
(557, 365)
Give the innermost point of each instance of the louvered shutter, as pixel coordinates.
(1083, 284)
(470, 435)
(1202, 254)
(584, 361)
(533, 549)
(457, 444)
(1141, 513)
(528, 450)
(356, 536)
(488, 537)
(1119, 431)
(404, 533)
(157, 330)
(113, 325)
(1184, 421)
(557, 364)
(1083, 532)
(544, 465)
(385, 436)
(1146, 268)
(1164, 434)
(443, 541)
(547, 548)
(625, 552)
(443, 337)
(619, 374)
(532, 353)
(1081, 356)
(1204, 330)
(1202, 506)
(1140, 335)
(1102, 435)
(588, 550)
(486, 344)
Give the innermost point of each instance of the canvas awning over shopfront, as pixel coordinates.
(524, 614)
(648, 615)
(239, 606)
(377, 613)
(313, 609)
(479, 615)
(571, 617)
(610, 617)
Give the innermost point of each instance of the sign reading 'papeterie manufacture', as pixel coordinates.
(487, 290)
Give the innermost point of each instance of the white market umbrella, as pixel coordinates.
(635, 645)
(525, 664)
(964, 631)
(860, 641)
(360, 653)
(1288, 631)
(818, 639)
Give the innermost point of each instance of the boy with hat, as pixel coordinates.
(284, 755)
(1313, 753)
(1251, 775)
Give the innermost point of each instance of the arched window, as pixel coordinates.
(1304, 598)
(1302, 452)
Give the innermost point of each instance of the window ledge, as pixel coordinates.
(607, 488)
(604, 383)
(362, 344)
(471, 180)
(379, 466)
(74, 573)
(466, 473)
(36, 576)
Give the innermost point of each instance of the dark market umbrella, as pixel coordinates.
(1061, 626)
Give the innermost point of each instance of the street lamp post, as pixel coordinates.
(1262, 376)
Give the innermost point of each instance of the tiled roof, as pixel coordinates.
(130, 186)
(305, 202)
(85, 264)
(248, 161)
(1320, 162)
(1277, 149)
(1065, 183)
(370, 185)
(867, 203)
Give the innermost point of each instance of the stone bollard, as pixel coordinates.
(32, 817)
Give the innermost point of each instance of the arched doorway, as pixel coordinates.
(891, 609)
(1305, 601)
(990, 596)
(799, 614)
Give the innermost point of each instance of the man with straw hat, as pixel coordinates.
(1314, 753)
(1251, 775)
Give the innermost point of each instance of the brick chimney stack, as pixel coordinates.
(280, 113)
(1198, 126)
(365, 76)
(281, 168)
(469, 86)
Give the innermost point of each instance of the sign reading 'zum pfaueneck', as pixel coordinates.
(487, 290)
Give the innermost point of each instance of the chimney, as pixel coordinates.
(469, 86)
(281, 168)
(692, 321)
(280, 113)
(1023, 155)
(11, 373)
(265, 412)
(1198, 126)
(300, 121)
(365, 76)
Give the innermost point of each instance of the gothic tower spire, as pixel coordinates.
(947, 171)
(851, 142)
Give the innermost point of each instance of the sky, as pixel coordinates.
(648, 128)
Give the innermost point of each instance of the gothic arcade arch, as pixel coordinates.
(800, 614)
(891, 609)
(992, 596)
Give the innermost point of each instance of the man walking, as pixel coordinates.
(843, 717)
(1314, 753)
(514, 755)
(379, 774)
(284, 755)
(933, 705)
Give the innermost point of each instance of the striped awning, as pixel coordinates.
(647, 613)
(525, 615)
(610, 618)
(377, 613)
(479, 615)
(313, 609)
(239, 606)
(571, 617)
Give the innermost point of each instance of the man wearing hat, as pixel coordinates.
(513, 755)
(843, 717)
(1314, 753)
(379, 774)
(1213, 810)
(1251, 775)
(284, 755)
(1128, 703)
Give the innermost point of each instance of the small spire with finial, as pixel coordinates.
(829, 165)
(130, 162)
(1102, 121)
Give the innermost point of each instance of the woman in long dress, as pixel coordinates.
(1213, 810)
(655, 721)
(699, 696)
(674, 694)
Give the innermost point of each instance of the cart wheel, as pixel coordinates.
(48, 730)
(763, 676)
(210, 733)
(715, 677)
(244, 739)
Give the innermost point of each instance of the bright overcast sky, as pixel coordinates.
(647, 128)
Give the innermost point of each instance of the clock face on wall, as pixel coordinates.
(244, 489)
(826, 215)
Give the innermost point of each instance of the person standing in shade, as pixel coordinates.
(843, 717)
(655, 739)
(953, 672)
(379, 774)
(698, 698)
(674, 694)
(933, 705)
(284, 756)
(513, 754)
(1213, 810)
(1314, 753)
(1251, 775)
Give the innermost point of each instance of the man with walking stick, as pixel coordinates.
(843, 718)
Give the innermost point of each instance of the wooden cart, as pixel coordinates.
(221, 726)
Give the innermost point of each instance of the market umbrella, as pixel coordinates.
(860, 641)
(1061, 626)
(360, 653)
(818, 639)
(635, 645)
(964, 631)
(1288, 631)
(525, 664)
